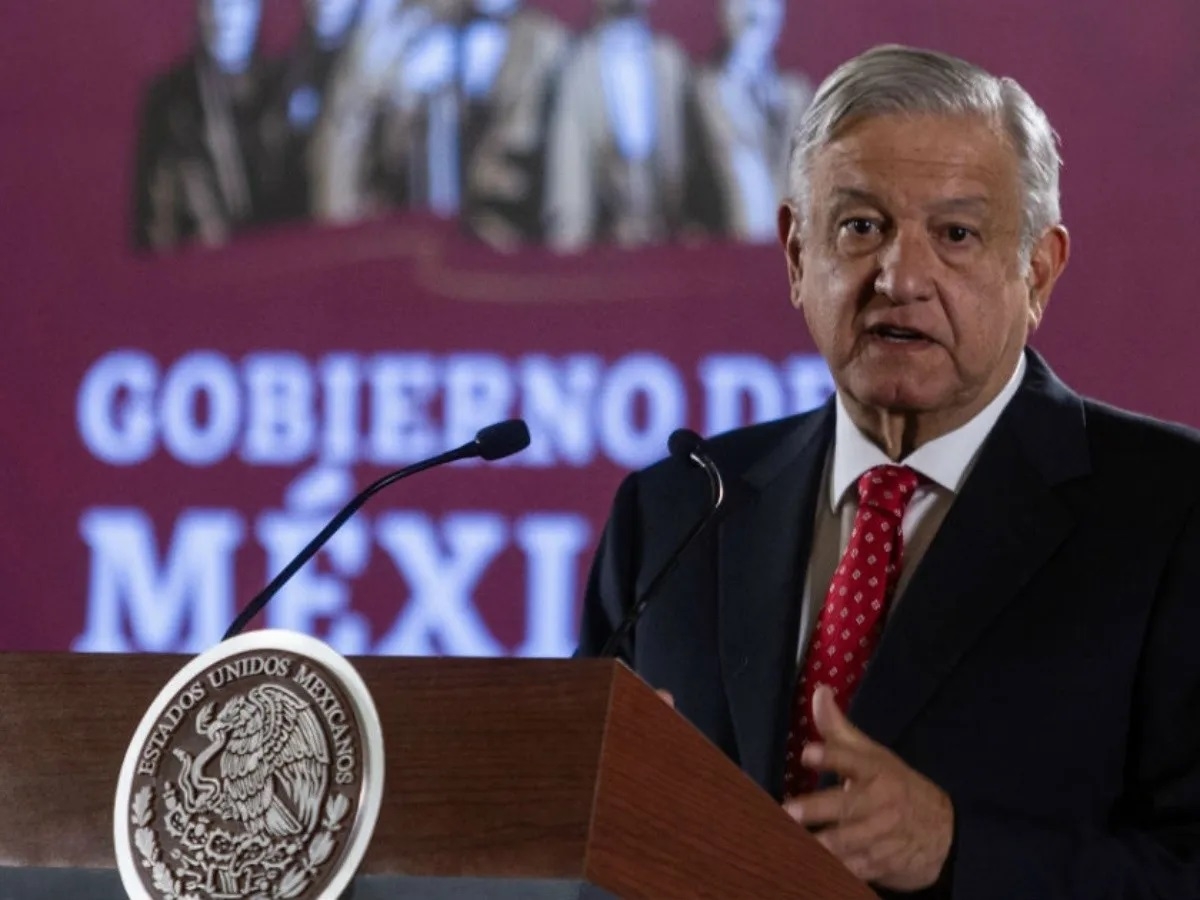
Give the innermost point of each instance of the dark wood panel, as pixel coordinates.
(537, 769)
(490, 764)
(699, 825)
(65, 721)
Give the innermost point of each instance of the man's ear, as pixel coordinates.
(1046, 263)
(789, 236)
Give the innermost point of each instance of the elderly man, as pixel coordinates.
(948, 618)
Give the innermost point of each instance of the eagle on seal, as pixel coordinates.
(273, 764)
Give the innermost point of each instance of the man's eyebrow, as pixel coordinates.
(969, 203)
(846, 196)
(849, 196)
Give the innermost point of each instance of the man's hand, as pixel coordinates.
(887, 824)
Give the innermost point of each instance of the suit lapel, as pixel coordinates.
(1003, 526)
(764, 544)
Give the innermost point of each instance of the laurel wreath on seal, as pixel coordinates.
(294, 881)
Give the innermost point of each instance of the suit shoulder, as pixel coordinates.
(1125, 428)
(1163, 456)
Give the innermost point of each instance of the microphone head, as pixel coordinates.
(683, 443)
(502, 439)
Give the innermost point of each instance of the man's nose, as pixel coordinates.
(907, 267)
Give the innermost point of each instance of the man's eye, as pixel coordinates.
(958, 234)
(859, 227)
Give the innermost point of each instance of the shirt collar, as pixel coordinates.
(944, 460)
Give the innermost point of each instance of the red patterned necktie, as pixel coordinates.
(851, 620)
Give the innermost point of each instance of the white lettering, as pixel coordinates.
(280, 421)
(740, 389)
(402, 387)
(200, 408)
(479, 391)
(552, 544)
(115, 407)
(442, 567)
(341, 380)
(641, 402)
(280, 408)
(809, 382)
(183, 604)
(557, 403)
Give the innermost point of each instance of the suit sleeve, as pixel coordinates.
(1153, 850)
(610, 586)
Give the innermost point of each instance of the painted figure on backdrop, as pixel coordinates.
(415, 160)
(395, 62)
(199, 148)
(511, 58)
(616, 159)
(460, 129)
(745, 111)
(297, 113)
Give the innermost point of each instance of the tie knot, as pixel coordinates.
(888, 488)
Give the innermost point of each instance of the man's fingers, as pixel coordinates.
(869, 836)
(877, 863)
(831, 722)
(833, 805)
(850, 761)
(667, 697)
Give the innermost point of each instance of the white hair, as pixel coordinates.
(892, 79)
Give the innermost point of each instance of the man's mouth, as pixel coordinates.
(898, 334)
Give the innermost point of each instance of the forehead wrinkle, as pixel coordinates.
(844, 196)
(960, 191)
(859, 150)
(972, 203)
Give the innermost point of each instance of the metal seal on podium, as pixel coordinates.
(256, 774)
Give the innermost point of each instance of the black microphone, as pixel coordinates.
(493, 442)
(689, 446)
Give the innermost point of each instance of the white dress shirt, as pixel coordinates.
(945, 462)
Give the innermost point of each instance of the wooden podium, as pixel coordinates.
(505, 778)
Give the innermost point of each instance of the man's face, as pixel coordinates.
(908, 269)
(331, 19)
(229, 30)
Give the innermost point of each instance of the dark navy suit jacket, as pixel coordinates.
(1043, 669)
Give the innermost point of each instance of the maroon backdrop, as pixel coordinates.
(1118, 80)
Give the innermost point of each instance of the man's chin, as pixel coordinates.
(915, 382)
(899, 395)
